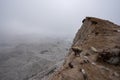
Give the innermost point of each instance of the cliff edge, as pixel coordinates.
(94, 54)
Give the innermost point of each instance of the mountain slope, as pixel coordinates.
(94, 54)
(24, 59)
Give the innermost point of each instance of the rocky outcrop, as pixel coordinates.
(94, 54)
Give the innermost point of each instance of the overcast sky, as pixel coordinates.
(52, 17)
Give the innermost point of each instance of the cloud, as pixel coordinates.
(52, 17)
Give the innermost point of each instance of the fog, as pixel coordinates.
(35, 35)
(53, 18)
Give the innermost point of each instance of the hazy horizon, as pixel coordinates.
(53, 18)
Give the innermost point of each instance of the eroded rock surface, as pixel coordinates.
(94, 54)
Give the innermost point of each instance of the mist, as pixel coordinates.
(53, 18)
(36, 35)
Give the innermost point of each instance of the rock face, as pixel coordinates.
(94, 54)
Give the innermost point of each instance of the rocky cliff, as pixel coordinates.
(94, 54)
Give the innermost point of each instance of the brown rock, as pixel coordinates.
(98, 43)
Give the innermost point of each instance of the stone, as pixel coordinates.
(103, 42)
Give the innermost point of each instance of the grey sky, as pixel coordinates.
(52, 17)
